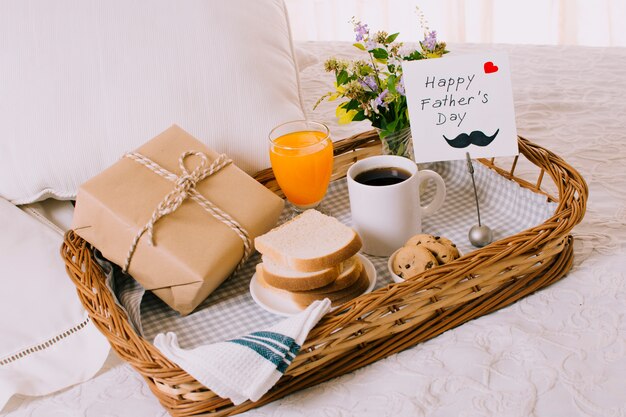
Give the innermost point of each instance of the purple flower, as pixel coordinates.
(371, 44)
(378, 101)
(405, 50)
(369, 82)
(400, 86)
(361, 31)
(430, 40)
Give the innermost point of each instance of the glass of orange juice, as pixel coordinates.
(301, 153)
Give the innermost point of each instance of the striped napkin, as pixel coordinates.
(246, 367)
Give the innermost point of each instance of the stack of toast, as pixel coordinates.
(312, 257)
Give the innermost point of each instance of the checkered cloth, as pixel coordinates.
(230, 311)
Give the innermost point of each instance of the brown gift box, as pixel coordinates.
(193, 252)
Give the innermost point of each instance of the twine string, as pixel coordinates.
(185, 187)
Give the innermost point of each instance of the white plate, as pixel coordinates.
(276, 303)
(394, 277)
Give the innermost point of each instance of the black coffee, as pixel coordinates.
(382, 176)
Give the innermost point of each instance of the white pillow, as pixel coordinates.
(84, 81)
(47, 341)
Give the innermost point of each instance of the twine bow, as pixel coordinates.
(185, 187)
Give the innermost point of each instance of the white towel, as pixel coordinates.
(245, 368)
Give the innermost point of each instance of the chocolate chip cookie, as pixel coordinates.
(443, 253)
(450, 244)
(419, 239)
(412, 260)
(444, 250)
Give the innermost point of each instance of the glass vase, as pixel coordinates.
(398, 143)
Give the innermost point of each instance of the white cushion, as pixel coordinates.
(47, 341)
(55, 214)
(84, 81)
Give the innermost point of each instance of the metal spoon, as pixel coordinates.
(479, 235)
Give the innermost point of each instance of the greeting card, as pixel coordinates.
(460, 104)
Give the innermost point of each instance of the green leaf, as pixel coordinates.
(352, 105)
(366, 70)
(400, 149)
(414, 56)
(392, 126)
(359, 46)
(380, 53)
(391, 37)
(359, 116)
(342, 77)
(375, 122)
(391, 84)
(383, 124)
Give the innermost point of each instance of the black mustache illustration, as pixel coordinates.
(477, 138)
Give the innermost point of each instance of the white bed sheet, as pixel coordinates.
(559, 352)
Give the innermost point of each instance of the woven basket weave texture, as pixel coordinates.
(374, 325)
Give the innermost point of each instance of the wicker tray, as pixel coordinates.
(378, 324)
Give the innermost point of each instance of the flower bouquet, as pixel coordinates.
(373, 88)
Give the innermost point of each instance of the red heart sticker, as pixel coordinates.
(489, 67)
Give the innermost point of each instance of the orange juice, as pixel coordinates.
(302, 163)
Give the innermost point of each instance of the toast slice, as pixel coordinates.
(303, 299)
(291, 280)
(309, 242)
(350, 273)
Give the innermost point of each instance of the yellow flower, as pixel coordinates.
(431, 55)
(344, 116)
(340, 90)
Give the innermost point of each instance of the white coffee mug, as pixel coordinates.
(386, 216)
